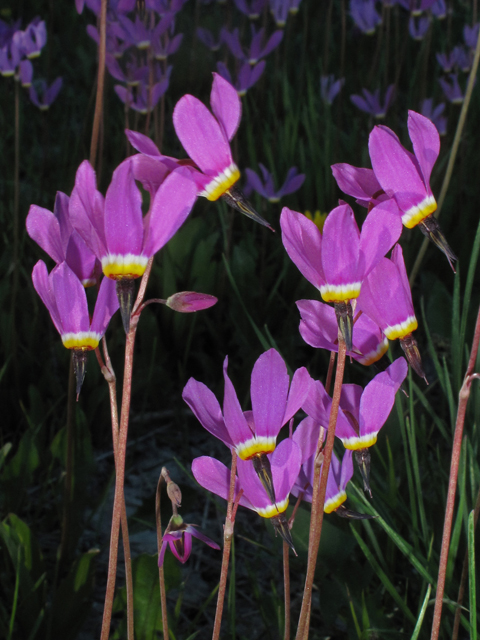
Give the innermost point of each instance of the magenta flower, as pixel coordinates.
(285, 464)
(178, 536)
(386, 298)
(66, 300)
(43, 95)
(360, 183)
(406, 177)
(253, 434)
(55, 234)
(319, 328)
(206, 136)
(266, 187)
(338, 261)
(371, 103)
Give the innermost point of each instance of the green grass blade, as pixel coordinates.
(468, 286)
(383, 576)
(431, 348)
(421, 615)
(471, 577)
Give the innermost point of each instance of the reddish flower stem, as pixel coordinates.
(286, 589)
(227, 537)
(452, 481)
(161, 575)
(97, 118)
(118, 501)
(331, 363)
(319, 491)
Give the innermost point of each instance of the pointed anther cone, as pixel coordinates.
(263, 469)
(412, 353)
(345, 512)
(234, 198)
(125, 292)
(362, 456)
(79, 368)
(280, 524)
(430, 228)
(344, 313)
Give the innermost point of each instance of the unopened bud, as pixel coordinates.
(174, 493)
(412, 353)
(190, 301)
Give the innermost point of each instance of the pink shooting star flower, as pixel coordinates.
(406, 177)
(253, 434)
(319, 328)
(55, 234)
(178, 536)
(266, 187)
(66, 300)
(206, 136)
(337, 261)
(115, 229)
(363, 412)
(386, 298)
(285, 464)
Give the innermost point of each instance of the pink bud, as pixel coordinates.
(189, 301)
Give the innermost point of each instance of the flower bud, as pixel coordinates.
(190, 301)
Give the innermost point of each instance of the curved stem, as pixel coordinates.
(319, 491)
(452, 481)
(97, 118)
(452, 157)
(227, 537)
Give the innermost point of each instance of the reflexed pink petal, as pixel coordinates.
(150, 171)
(161, 555)
(317, 404)
(346, 473)
(399, 262)
(105, 306)
(253, 489)
(193, 531)
(205, 406)
(123, 213)
(201, 136)
(172, 204)
(71, 300)
(426, 143)
(44, 228)
(357, 182)
(80, 259)
(340, 247)
(43, 286)
(318, 326)
(60, 211)
(299, 390)
(333, 479)
(285, 461)
(268, 391)
(226, 105)
(233, 415)
(142, 143)
(379, 396)
(292, 183)
(306, 437)
(380, 231)
(303, 243)
(214, 476)
(86, 210)
(350, 399)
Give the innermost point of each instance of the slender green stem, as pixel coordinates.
(452, 157)
(97, 118)
(319, 490)
(118, 502)
(452, 481)
(286, 589)
(227, 544)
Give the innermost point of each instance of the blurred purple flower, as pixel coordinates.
(115, 44)
(451, 88)
(416, 7)
(435, 114)
(464, 58)
(43, 95)
(251, 8)
(247, 76)
(365, 15)
(31, 41)
(256, 51)
(142, 99)
(370, 103)
(330, 88)
(418, 27)
(439, 9)
(280, 10)
(133, 74)
(9, 59)
(447, 61)
(25, 74)
(470, 35)
(206, 37)
(266, 188)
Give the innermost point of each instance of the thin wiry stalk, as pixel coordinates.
(452, 157)
(161, 575)
(452, 481)
(286, 590)
(97, 118)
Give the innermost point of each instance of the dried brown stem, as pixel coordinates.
(97, 118)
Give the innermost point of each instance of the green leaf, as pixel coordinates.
(421, 615)
(471, 576)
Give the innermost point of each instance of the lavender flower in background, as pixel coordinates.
(247, 76)
(144, 99)
(470, 35)
(435, 114)
(206, 37)
(251, 8)
(31, 41)
(365, 15)
(9, 59)
(43, 95)
(451, 88)
(418, 27)
(266, 188)
(447, 60)
(371, 103)
(416, 7)
(280, 10)
(464, 58)
(330, 88)
(133, 74)
(256, 51)
(439, 9)
(25, 73)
